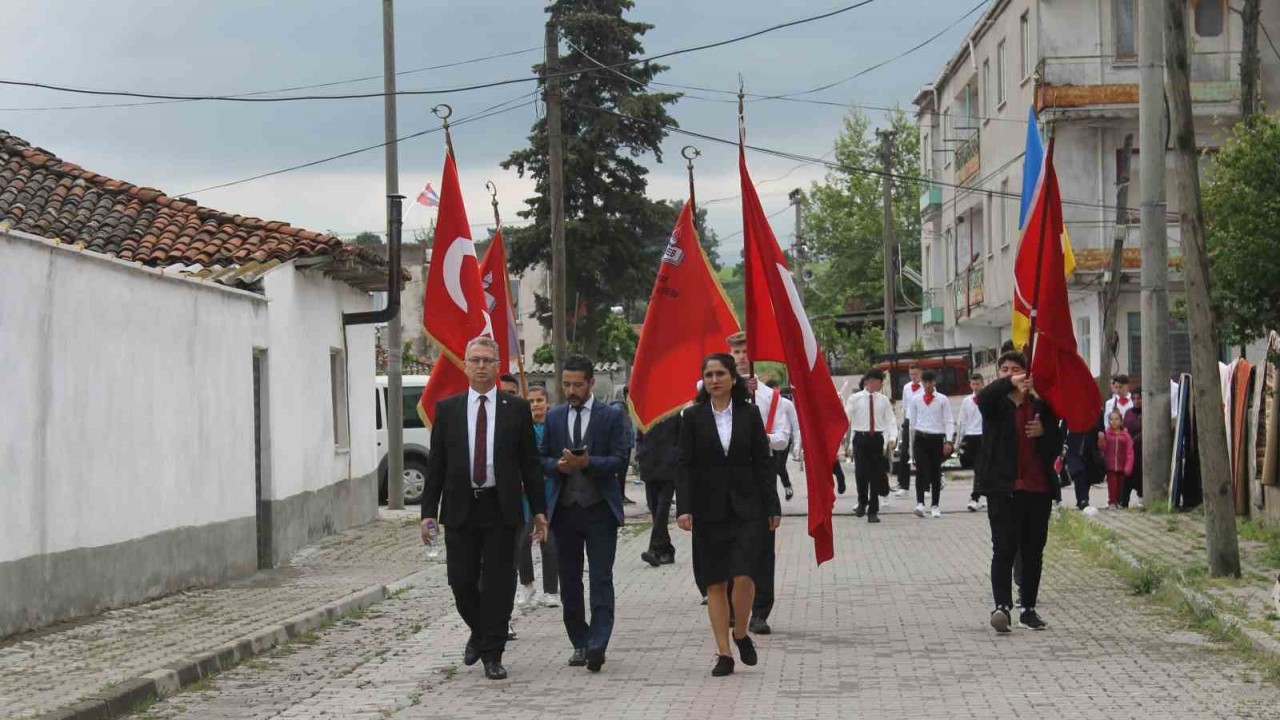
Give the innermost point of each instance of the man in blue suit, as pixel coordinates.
(583, 451)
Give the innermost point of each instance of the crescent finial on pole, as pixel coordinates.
(742, 123)
(493, 195)
(690, 153)
(444, 111)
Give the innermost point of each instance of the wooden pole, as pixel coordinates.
(1110, 337)
(555, 161)
(1219, 505)
(890, 241)
(1249, 16)
(395, 349)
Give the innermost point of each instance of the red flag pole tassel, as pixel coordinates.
(1035, 297)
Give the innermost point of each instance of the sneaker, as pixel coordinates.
(551, 600)
(791, 492)
(724, 666)
(1113, 506)
(524, 594)
(1089, 511)
(900, 493)
(973, 506)
(920, 510)
(1031, 620)
(873, 518)
(982, 503)
(935, 512)
(1138, 503)
(1000, 619)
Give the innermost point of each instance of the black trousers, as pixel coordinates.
(869, 469)
(903, 470)
(969, 450)
(927, 451)
(482, 573)
(763, 603)
(550, 563)
(1019, 527)
(659, 494)
(780, 463)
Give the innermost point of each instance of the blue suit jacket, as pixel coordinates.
(606, 451)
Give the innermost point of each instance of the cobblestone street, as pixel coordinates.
(896, 626)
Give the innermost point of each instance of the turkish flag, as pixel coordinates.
(688, 318)
(500, 304)
(453, 307)
(1062, 377)
(778, 329)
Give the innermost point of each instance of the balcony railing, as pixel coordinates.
(931, 311)
(931, 198)
(969, 290)
(967, 158)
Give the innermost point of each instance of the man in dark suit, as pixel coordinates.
(584, 449)
(484, 458)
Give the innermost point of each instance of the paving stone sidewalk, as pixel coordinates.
(52, 668)
(894, 627)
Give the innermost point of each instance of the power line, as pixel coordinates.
(287, 89)
(1269, 40)
(483, 114)
(441, 91)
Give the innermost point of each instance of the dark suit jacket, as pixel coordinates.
(997, 469)
(607, 449)
(713, 486)
(515, 462)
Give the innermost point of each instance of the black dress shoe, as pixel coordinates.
(746, 650)
(579, 657)
(724, 666)
(494, 671)
(668, 559)
(873, 518)
(759, 626)
(860, 510)
(595, 659)
(470, 655)
(651, 558)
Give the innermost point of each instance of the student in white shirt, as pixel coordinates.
(785, 416)
(932, 426)
(913, 389)
(1120, 398)
(968, 438)
(875, 431)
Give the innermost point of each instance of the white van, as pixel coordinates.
(416, 438)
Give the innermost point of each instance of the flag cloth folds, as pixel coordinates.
(501, 306)
(1061, 376)
(428, 197)
(688, 318)
(1032, 171)
(778, 329)
(453, 307)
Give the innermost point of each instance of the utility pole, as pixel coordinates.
(1157, 445)
(395, 346)
(1110, 337)
(555, 159)
(890, 243)
(1249, 61)
(797, 199)
(1219, 503)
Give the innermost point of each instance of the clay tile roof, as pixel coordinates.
(46, 196)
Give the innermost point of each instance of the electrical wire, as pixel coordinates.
(1269, 40)
(440, 91)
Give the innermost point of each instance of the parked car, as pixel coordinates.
(416, 438)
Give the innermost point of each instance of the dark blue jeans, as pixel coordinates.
(591, 532)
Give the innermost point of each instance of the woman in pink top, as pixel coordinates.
(1117, 454)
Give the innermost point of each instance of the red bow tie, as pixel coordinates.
(1123, 400)
(915, 387)
(928, 398)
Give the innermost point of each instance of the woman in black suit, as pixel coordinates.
(727, 496)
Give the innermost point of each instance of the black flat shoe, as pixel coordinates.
(494, 671)
(759, 626)
(746, 650)
(579, 657)
(873, 518)
(470, 655)
(595, 659)
(860, 511)
(649, 557)
(724, 666)
(666, 559)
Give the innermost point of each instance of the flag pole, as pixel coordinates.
(497, 228)
(690, 153)
(742, 142)
(1031, 337)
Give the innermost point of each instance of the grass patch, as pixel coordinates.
(398, 592)
(208, 683)
(307, 638)
(636, 529)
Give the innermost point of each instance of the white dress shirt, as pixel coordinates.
(970, 420)
(860, 407)
(908, 393)
(783, 429)
(933, 417)
(586, 419)
(1114, 404)
(724, 424)
(491, 411)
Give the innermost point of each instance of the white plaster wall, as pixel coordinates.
(304, 324)
(128, 405)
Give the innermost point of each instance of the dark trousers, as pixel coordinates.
(763, 577)
(622, 476)
(780, 464)
(1081, 482)
(1019, 526)
(591, 532)
(927, 451)
(869, 469)
(969, 450)
(482, 573)
(1132, 484)
(903, 470)
(550, 566)
(659, 493)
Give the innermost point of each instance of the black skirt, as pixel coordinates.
(728, 549)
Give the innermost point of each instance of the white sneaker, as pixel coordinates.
(524, 594)
(1090, 511)
(935, 512)
(1138, 503)
(982, 503)
(899, 493)
(973, 506)
(550, 600)
(919, 509)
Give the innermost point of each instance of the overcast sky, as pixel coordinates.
(236, 46)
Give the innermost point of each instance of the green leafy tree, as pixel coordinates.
(844, 233)
(614, 235)
(545, 354)
(367, 238)
(618, 340)
(1242, 215)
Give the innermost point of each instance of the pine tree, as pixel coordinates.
(614, 235)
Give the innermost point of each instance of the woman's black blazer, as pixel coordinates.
(714, 486)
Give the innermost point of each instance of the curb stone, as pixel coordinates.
(1260, 641)
(123, 698)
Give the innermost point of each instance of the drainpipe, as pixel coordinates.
(392, 310)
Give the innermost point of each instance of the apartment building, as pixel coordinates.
(1076, 62)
